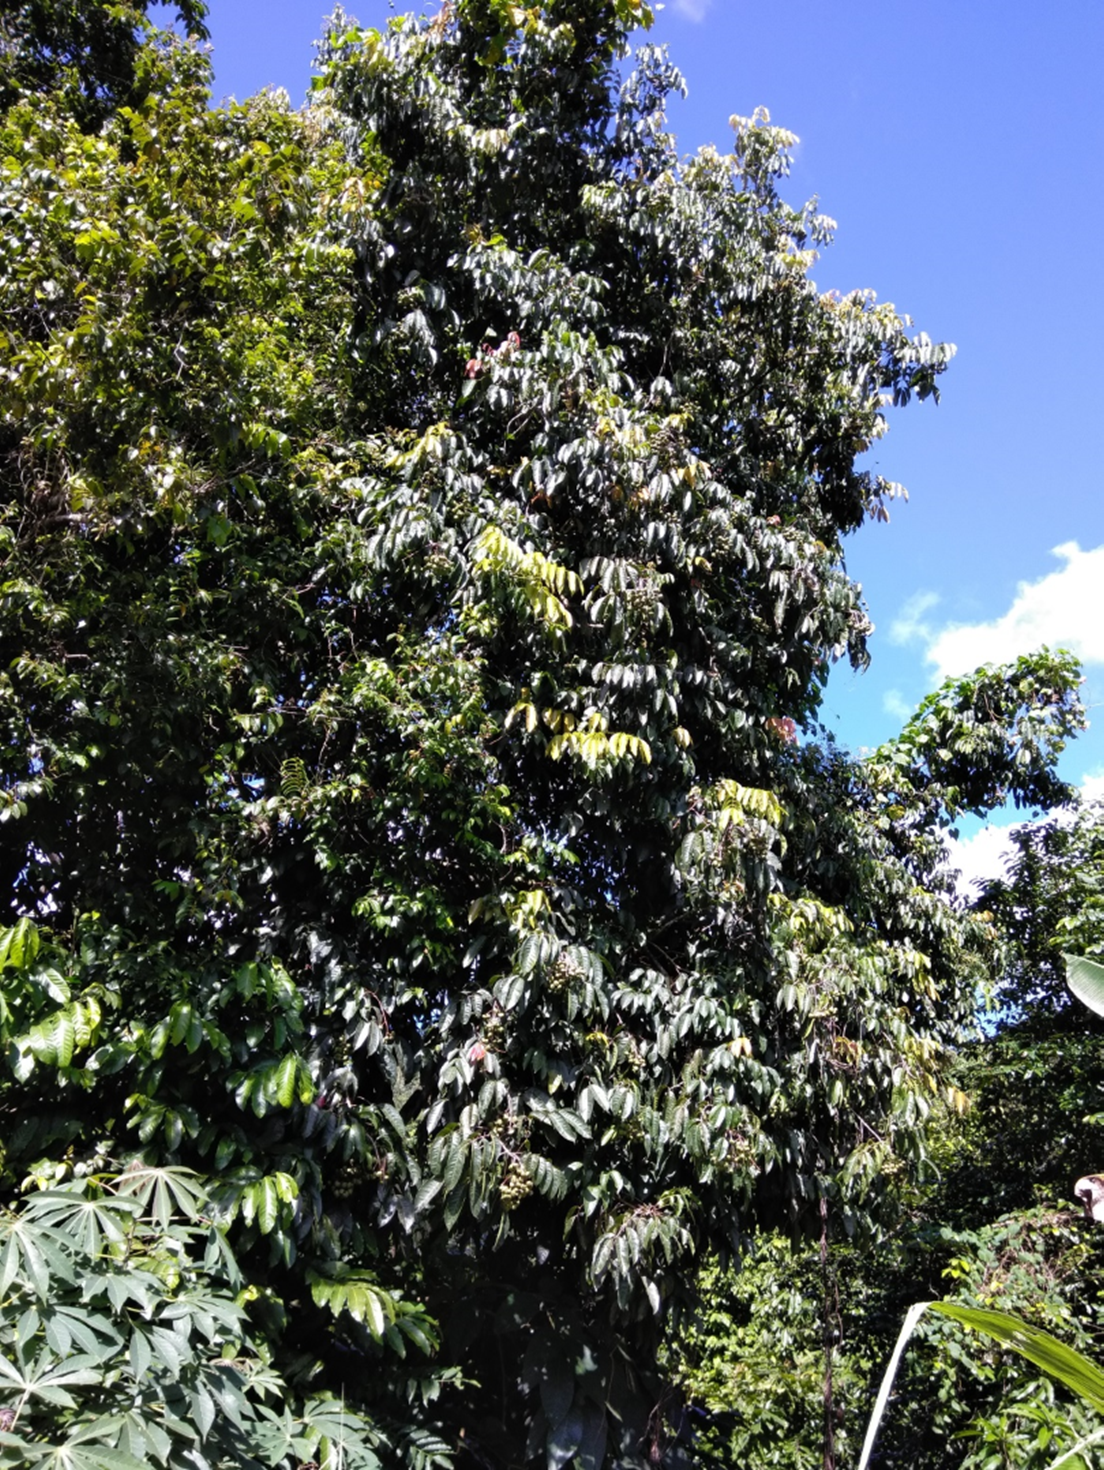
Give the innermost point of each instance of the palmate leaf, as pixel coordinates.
(87, 1221)
(128, 1285)
(33, 1252)
(94, 1445)
(210, 1314)
(338, 1438)
(50, 1379)
(169, 1350)
(325, 1433)
(1085, 979)
(164, 1192)
(143, 1437)
(92, 1332)
(69, 1455)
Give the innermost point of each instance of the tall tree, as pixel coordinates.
(422, 537)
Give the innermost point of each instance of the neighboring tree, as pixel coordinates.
(89, 51)
(1050, 900)
(753, 1361)
(421, 563)
(1037, 1082)
(997, 1228)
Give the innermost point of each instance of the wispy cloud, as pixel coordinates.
(910, 624)
(692, 9)
(1062, 610)
(894, 703)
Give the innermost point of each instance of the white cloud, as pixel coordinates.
(1092, 787)
(1062, 610)
(980, 857)
(692, 9)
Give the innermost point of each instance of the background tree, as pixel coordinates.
(1050, 899)
(422, 559)
(995, 1226)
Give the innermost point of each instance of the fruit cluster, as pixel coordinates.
(563, 970)
(516, 1186)
(349, 1176)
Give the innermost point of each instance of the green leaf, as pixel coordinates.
(354, 1292)
(509, 990)
(284, 1082)
(53, 1040)
(170, 1349)
(203, 1410)
(141, 1354)
(19, 945)
(49, 1379)
(454, 1162)
(267, 1204)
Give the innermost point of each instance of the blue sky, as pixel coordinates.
(960, 147)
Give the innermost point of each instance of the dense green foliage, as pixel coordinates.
(420, 563)
(755, 1356)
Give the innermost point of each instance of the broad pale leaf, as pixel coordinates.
(1085, 979)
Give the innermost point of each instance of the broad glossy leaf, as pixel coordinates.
(1085, 979)
(284, 1082)
(267, 1204)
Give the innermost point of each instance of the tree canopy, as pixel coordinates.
(89, 51)
(421, 558)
